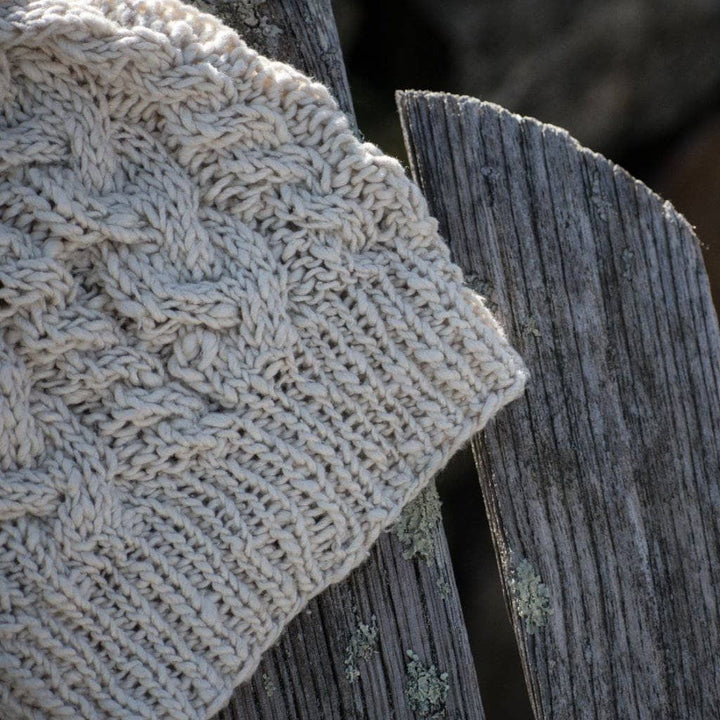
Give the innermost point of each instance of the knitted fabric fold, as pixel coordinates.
(232, 347)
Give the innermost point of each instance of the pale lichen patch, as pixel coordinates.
(363, 643)
(627, 257)
(427, 689)
(242, 14)
(530, 327)
(530, 596)
(268, 684)
(444, 588)
(418, 523)
(485, 289)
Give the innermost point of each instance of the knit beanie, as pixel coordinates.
(232, 347)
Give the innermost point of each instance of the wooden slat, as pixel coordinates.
(415, 603)
(605, 477)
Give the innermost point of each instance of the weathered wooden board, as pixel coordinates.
(414, 603)
(605, 477)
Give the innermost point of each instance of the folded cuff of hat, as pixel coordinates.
(212, 540)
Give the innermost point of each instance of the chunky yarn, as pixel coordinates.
(232, 347)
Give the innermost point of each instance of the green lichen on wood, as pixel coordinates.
(268, 684)
(627, 256)
(427, 689)
(530, 327)
(444, 588)
(241, 15)
(485, 289)
(530, 596)
(363, 643)
(418, 523)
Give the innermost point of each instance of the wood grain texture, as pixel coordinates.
(415, 604)
(606, 474)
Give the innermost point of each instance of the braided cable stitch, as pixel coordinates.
(232, 347)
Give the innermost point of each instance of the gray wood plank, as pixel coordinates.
(414, 603)
(603, 482)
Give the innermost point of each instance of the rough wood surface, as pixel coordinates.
(606, 475)
(414, 603)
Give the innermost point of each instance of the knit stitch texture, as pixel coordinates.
(232, 347)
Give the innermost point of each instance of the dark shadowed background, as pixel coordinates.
(636, 80)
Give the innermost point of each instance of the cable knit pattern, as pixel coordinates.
(232, 347)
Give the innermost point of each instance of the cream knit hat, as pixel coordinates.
(232, 347)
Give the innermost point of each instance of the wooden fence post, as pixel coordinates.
(602, 483)
(345, 657)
